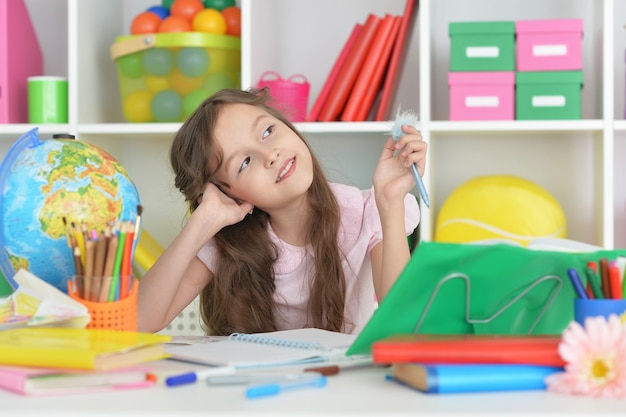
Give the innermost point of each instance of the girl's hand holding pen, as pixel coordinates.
(393, 177)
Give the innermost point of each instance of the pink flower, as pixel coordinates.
(595, 357)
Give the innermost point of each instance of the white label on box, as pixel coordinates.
(482, 52)
(550, 50)
(482, 101)
(548, 101)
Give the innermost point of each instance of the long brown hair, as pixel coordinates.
(239, 298)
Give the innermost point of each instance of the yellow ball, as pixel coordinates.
(155, 84)
(182, 84)
(500, 207)
(136, 107)
(209, 20)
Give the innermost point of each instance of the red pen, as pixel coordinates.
(615, 283)
(604, 276)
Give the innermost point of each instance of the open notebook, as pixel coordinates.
(286, 347)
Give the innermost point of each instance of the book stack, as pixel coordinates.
(470, 363)
(55, 360)
(363, 78)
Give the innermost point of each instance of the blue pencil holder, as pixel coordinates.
(584, 308)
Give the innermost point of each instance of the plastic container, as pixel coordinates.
(482, 46)
(482, 95)
(291, 95)
(584, 308)
(164, 77)
(114, 315)
(549, 45)
(548, 95)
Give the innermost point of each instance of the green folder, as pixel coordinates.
(450, 288)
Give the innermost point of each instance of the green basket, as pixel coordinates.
(163, 77)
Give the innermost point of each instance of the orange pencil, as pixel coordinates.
(105, 285)
(615, 283)
(110, 258)
(109, 261)
(79, 272)
(101, 250)
(89, 260)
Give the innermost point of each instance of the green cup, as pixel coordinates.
(47, 99)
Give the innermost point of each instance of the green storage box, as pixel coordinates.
(482, 46)
(548, 95)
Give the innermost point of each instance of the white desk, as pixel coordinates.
(364, 391)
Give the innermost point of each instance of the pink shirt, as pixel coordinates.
(359, 232)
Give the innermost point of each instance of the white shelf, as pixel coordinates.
(518, 126)
(578, 161)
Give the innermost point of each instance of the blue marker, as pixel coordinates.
(315, 381)
(191, 377)
(577, 284)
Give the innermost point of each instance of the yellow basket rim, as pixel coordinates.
(177, 39)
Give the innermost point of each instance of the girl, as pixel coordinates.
(270, 244)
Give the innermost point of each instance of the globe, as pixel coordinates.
(46, 185)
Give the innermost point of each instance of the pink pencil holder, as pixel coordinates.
(291, 95)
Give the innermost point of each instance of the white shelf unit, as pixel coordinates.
(575, 161)
(579, 162)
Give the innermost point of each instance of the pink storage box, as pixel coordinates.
(549, 45)
(20, 57)
(482, 95)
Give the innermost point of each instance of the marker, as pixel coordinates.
(325, 370)
(592, 278)
(604, 276)
(615, 283)
(259, 379)
(334, 369)
(313, 381)
(191, 377)
(577, 284)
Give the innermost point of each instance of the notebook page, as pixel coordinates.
(250, 354)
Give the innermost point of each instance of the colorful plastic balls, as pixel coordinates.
(192, 100)
(186, 8)
(183, 84)
(167, 106)
(174, 24)
(218, 4)
(222, 59)
(145, 22)
(232, 15)
(136, 107)
(156, 84)
(130, 65)
(167, 3)
(209, 20)
(158, 61)
(161, 11)
(218, 81)
(192, 61)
